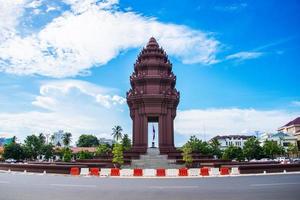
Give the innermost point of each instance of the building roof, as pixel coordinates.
(281, 134)
(294, 122)
(79, 149)
(244, 137)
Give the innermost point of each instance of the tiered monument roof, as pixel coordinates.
(152, 73)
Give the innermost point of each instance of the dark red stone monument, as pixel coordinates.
(153, 98)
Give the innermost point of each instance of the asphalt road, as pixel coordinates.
(50, 187)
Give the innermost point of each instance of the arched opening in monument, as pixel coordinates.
(153, 131)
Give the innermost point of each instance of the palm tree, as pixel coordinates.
(52, 138)
(215, 142)
(67, 138)
(117, 132)
(14, 139)
(42, 138)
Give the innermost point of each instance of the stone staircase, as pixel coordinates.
(153, 160)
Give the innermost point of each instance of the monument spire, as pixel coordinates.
(152, 43)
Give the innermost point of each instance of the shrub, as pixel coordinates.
(233, 152)
(67, 156)
(187, 155)
(103, 149)
(118, 158)
(85, 155)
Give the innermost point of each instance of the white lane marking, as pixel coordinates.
(4, 182)
(273, 184)
(174, 187)
(71, 185)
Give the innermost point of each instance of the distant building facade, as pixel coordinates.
(231, 140)
(282, 139)
(4, 141)
(106, 141)
(292, 128)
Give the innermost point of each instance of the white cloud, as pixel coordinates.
(10, 12)
(70, 105)
(55, 92)
(230, 121)
(34, 4)
(51, 8)
(244, 55)
(93, 33)
(79, 6)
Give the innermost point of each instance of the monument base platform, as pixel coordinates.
(153, 159)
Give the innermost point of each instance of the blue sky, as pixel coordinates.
(66, 64)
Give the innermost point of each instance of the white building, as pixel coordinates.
(282, 139)
(292, 128)
(234, 140)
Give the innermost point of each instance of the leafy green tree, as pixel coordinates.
(67, 138)
(87, 141)
(103, 149)
(271, 149)
(292, 149)
(187, 155)
(67, 154)
(42, 138)
(59, 152)
(215, 147)
(117, 133)
(52, 138)
(194, 143)
(13, 150)
(126, 142)
(14, 139)
(199, 146)
(47, 150)
(85, 155)
(33, 146)
(233, 152)
(252, 149)
(118, 158)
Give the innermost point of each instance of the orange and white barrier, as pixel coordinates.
(137, 172)
(161, 172)
(214, 172)
(105, 172)
(204, 171)
(75, 171)
(172, 172)
(194, 172)
(235, 171)
(183, 172)
(149, 172)
(126, 172)
(94, 171)
(224, 171)
(114, 172)
(84, 171)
